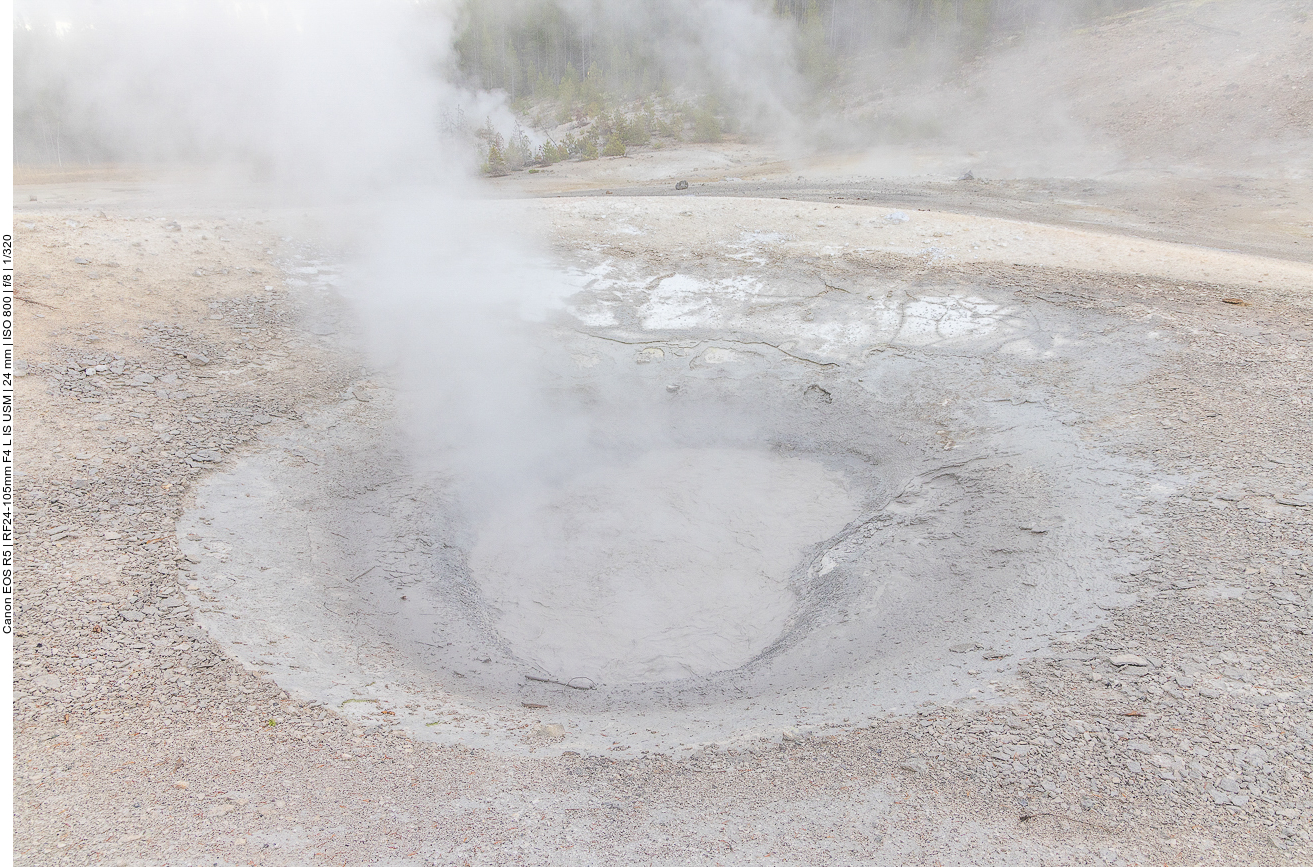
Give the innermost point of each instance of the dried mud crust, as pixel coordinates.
(1178, 731)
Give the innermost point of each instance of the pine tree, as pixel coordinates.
(495, 165)
(615, 146)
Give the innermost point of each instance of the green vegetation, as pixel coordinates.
(619, 74)
(538, 51)
(624, 75)
(706, 127)
(502, 156)
(615, 147)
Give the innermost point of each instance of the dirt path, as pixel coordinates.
(162, 346)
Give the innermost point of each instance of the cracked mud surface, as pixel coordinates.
(1121, 432)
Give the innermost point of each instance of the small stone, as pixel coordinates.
(682, 185)
(550, 731)
(1209, 692)
(80, 261)
(964, 647)
(1123, 659)
(180, 784)
(261, 419)
(914, 765)
(132, 616)
(46, 681)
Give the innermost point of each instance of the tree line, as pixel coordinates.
(572, 53)
(626, 72)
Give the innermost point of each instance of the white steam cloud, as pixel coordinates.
(345, 105)
(324, 97)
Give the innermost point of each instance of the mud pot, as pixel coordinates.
(818, 488)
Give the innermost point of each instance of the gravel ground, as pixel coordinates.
(159, 347)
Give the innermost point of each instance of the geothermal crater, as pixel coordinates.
(814, 490)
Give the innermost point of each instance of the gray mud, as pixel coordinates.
(801, 509)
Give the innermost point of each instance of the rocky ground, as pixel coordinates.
(159, 344)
